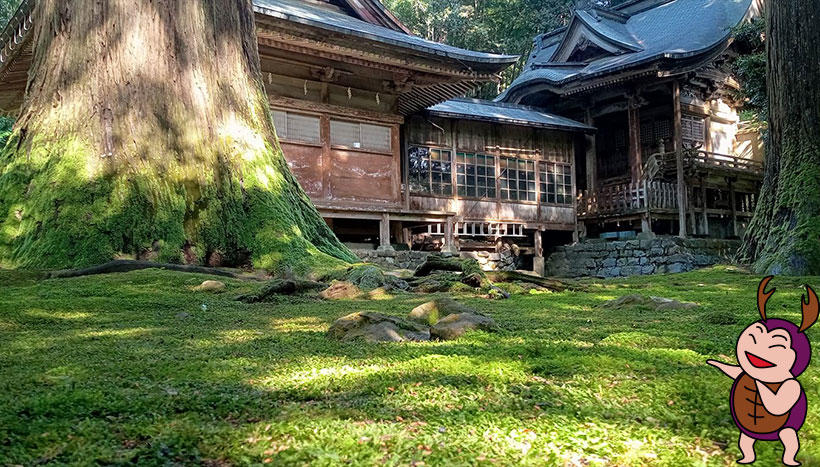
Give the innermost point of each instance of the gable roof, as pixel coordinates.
(666, 33)
(373, 11)
(303, 12)
(511, 114)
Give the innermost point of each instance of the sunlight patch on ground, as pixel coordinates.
(299, 324)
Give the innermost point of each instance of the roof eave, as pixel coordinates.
(509, 121)
(483, 58)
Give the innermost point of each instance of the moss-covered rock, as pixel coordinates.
(431, 312)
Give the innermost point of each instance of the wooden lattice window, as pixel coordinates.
(430, 171)
(517, 179)
(360, 136)
(555, 183)
(297, 127)
(693, 130)
(475, 176)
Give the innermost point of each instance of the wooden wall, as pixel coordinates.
(499, 140)
(338, 174)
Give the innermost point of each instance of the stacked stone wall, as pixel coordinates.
(638, 257)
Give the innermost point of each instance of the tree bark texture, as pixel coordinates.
(784, 235)
(146, 133)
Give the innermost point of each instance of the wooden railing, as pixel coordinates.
(626, 198)
(699, 159)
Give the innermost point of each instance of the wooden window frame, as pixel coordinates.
(487, 178)
(287, 139)
(550, 168)
(342, 147)
(428, 186)
(528, 162)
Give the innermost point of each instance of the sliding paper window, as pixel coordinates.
(476, 175)
(430, 171)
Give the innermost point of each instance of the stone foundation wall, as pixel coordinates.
(507, 260)
(636, 257)
(394, 259)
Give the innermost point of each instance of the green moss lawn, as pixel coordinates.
(137, 368)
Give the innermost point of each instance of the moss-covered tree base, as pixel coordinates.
(784, 235)
(58, 214)
(146, 133)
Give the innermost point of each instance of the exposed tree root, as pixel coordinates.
(129, 265)
(281, 287)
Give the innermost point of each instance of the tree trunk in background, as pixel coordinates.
(784, 235)
(146, 132)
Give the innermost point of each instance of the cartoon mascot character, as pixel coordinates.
(767, 402)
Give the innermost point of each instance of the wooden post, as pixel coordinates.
(538, 263)
(734, 206)
(679, 160)
(591, 154)
(635, 164)
(705, 228)
(407, 237)
(449, 237)
(384, 233)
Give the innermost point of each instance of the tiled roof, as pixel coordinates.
(476, 109)
(312, 15)
(676, 29)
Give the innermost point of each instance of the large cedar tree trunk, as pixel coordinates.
(784, 235)
(146, 133)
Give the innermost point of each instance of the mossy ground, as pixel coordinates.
(104, 369)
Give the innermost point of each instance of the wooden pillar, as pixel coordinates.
(591, 154)
(538, 263)
(705, 228)
(449, 237)
(734, 206)
(679, 160)
(407, 237)
(384, 233)
(635, 164)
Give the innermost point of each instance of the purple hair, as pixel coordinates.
(800, 343)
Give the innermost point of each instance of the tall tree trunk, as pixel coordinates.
(784, 235)
(146, 132)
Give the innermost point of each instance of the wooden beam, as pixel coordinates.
(679, 160)
(384, 233)
(734, 206)
(635, 164)
(705, 228)
(591, 154)
(449, 237)
(538, 263)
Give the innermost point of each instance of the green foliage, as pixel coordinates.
(129, 369)
(750, 67)
(6, 125)
(7, 8)
(498, 26)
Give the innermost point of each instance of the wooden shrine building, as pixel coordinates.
(373, 123)
(653, 77)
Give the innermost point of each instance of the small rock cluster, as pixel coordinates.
(441, 319)
(652, 303)
(638, 257)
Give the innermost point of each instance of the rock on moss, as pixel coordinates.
(456, 325)
(376, 327)
(431, 312)
(654, 303)
(210, 286)
(341, 290)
